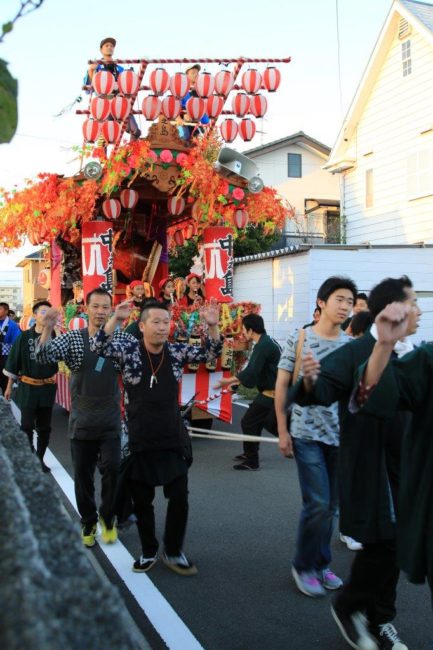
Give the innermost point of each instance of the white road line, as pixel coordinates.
(160, 613)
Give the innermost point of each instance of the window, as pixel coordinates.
(420, 173)
(406, 58)
(369, 197)
(294, 165)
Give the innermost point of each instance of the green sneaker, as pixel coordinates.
(88, 534)
(108, 535)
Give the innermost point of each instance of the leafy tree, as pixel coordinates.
(181, 263)
(252, 241)
(9, 85)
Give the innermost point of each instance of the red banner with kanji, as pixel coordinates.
(218, 263)
(97, 256)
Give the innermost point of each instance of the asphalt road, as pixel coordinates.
(241, 535)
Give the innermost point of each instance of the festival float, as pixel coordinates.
(133, 203)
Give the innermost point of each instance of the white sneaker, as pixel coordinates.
(351, 543)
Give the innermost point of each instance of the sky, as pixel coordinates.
(48, 50)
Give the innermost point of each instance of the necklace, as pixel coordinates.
(153, 378)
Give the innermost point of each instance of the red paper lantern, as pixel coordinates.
(179, 84)
(91, 130)
(111, 208)
(196, 108)
(204, 84)
(110, 131)
(240, 218)
(120, 107)
(33, 238)
(258, 105)
(77, 323)
(176, 205)
(128, 82)
(251, 81)
(26, 323)
(159, 81)
(271, 78)
(178, 237)
(99, 108)
(171, 107)
(103, 82)
(215, 105)
(229, 130)
(196, 210)
(189, 231)
(224, 82)
(240, 104)
(247, 129)
(151, 107)
(129, 199)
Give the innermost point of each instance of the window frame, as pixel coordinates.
(299, 159)
(406, 57)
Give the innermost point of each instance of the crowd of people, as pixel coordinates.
(348, 397)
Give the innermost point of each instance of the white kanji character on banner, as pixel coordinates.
(95, 266)
(214, 267)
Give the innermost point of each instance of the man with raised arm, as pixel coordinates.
(158, 441)
(94, 420)
(405, 383)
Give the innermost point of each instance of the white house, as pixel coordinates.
(294, 167)
(384, 152)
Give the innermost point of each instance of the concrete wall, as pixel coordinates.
(286, 286)
(50, 595)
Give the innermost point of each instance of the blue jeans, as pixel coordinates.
(317, 472)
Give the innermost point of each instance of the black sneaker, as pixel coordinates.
(388, 637)
(45, 468)
(241, 457)
(179, 564)
(144, 564)
(247, 465)
(354, 629)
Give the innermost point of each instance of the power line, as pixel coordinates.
(339, 57)
(40, 137)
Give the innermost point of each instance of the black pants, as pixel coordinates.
(176, 519)
(3, 379)
(257, 418)
(40, 419)
(86, 454)
(372, 584)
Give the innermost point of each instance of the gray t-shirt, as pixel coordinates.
(317, 423)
